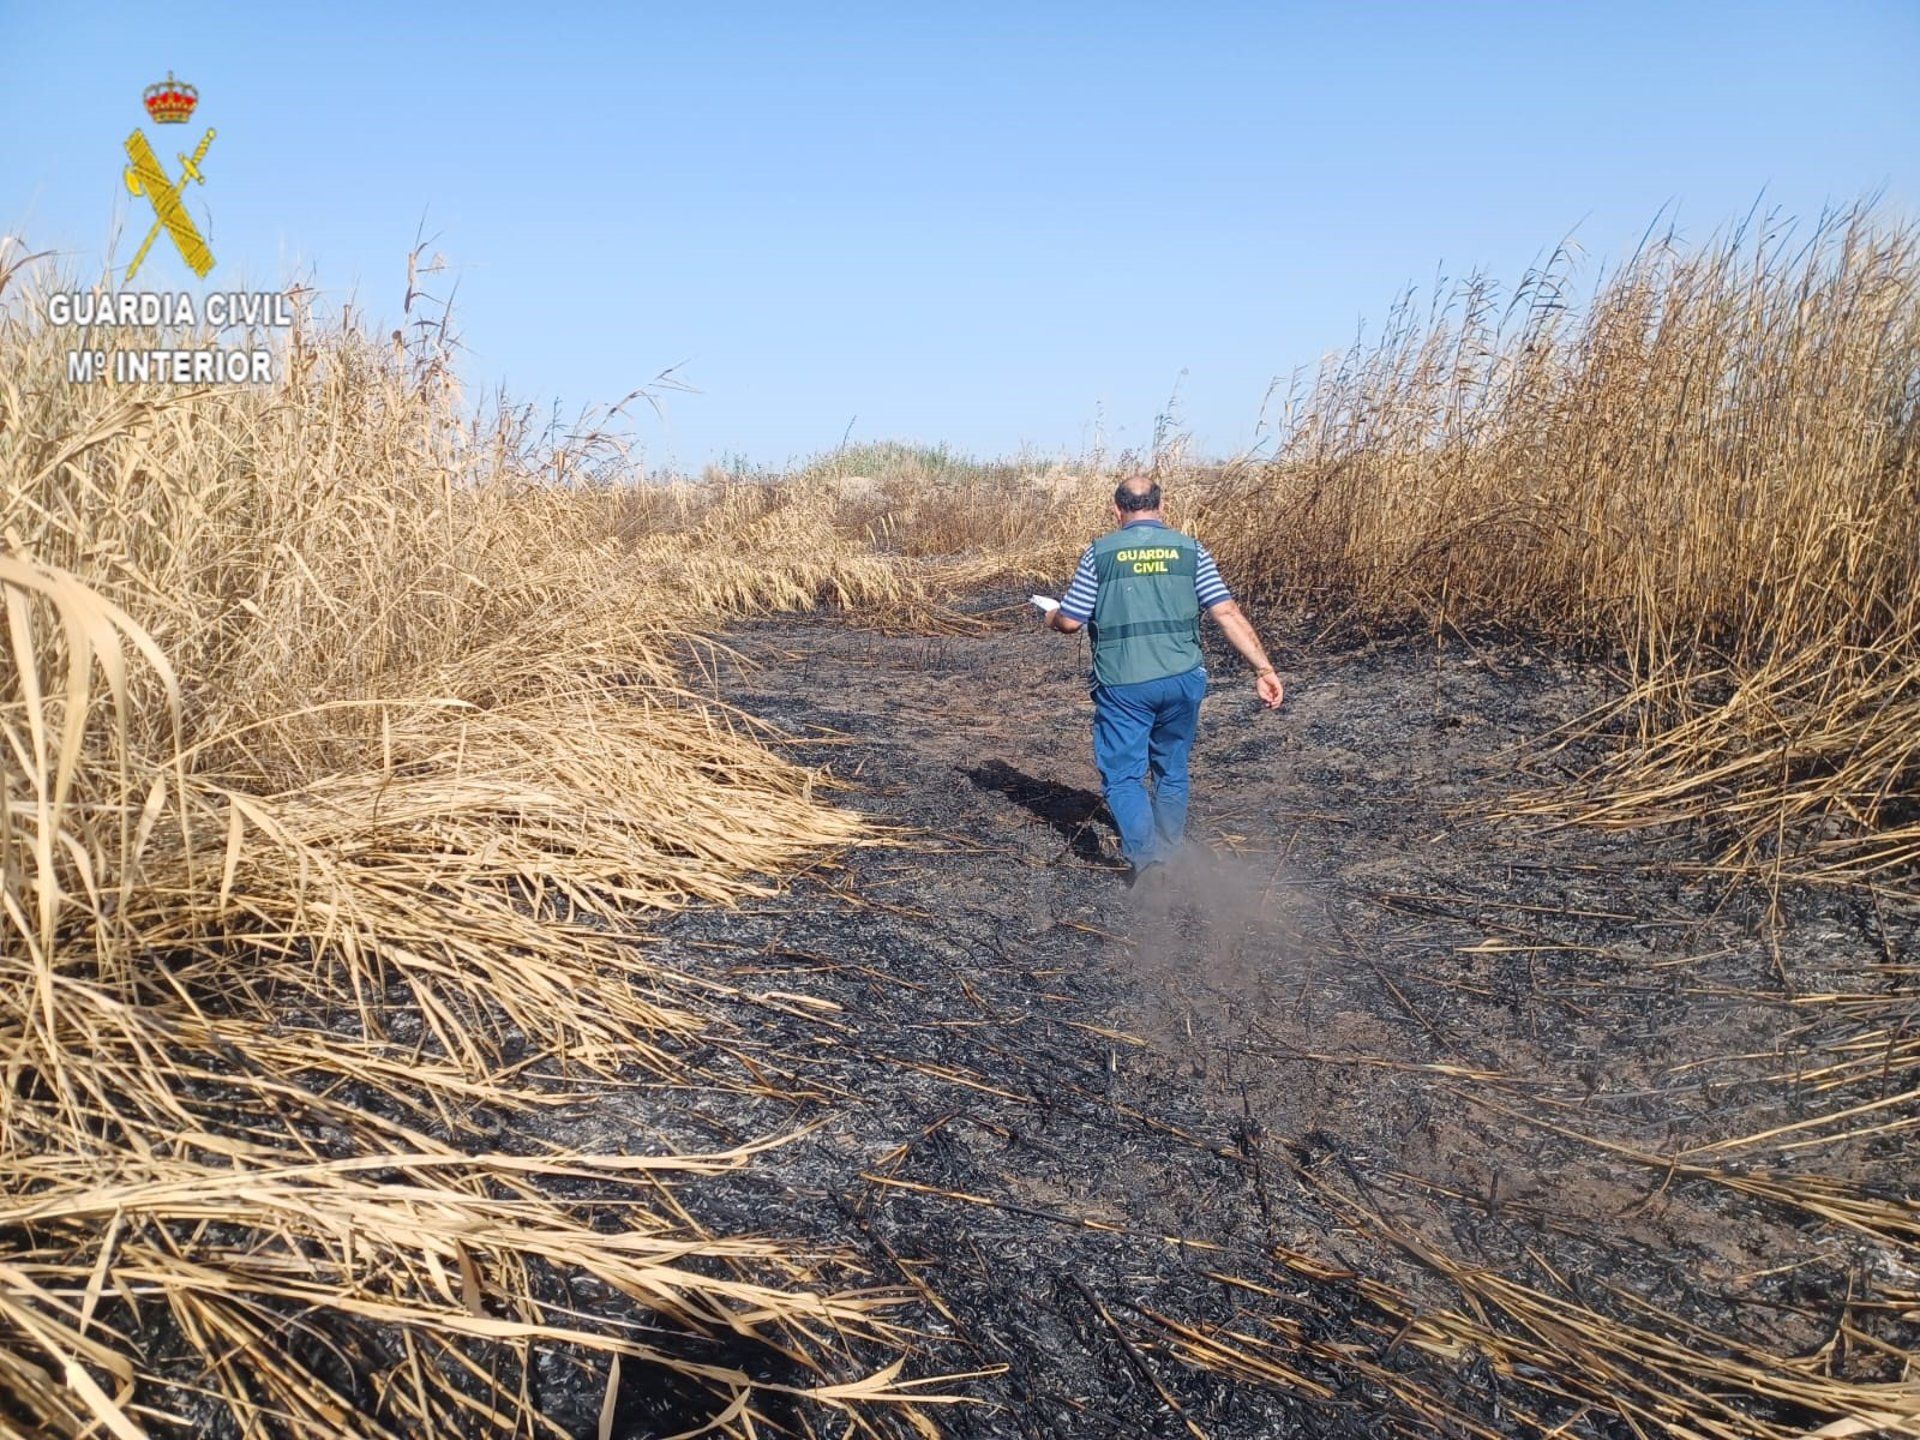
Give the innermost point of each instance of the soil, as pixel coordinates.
(1075, 1119)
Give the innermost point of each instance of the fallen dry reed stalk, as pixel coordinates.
(1566, 1357)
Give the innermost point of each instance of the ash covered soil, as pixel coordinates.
(1085, 1126)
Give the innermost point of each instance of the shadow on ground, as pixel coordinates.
(1077, 815)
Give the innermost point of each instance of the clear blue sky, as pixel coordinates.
(988, 224)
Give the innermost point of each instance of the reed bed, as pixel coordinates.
(342, 751)
(347, 737)
(1706, 469)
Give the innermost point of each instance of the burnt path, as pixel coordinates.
(1065, 1110)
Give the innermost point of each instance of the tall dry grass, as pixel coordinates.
(340, 752)
(343, 744)
(1708, 467)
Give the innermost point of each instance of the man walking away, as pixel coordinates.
(1141, 589)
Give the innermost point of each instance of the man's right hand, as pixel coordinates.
(1272, 692)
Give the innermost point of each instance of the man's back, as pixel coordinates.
(1143, 588)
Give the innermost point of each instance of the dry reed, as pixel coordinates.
(1709, 469)
(329, 708)
(341, 750)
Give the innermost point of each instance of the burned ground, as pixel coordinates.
(1360, 1038)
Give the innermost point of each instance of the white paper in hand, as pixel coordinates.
(1045, 604)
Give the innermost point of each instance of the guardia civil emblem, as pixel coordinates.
(171, 102)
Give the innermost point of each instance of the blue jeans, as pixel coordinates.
(1145, 729)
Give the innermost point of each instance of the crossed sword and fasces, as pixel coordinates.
(147, 176)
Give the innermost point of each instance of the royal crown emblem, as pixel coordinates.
(171, 102)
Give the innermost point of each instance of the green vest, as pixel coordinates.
(1146, 614)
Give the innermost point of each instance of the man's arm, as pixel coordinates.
(1217, 601)
(1076, 606)
(1240, 634)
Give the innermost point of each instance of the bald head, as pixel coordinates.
(1137, 495)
